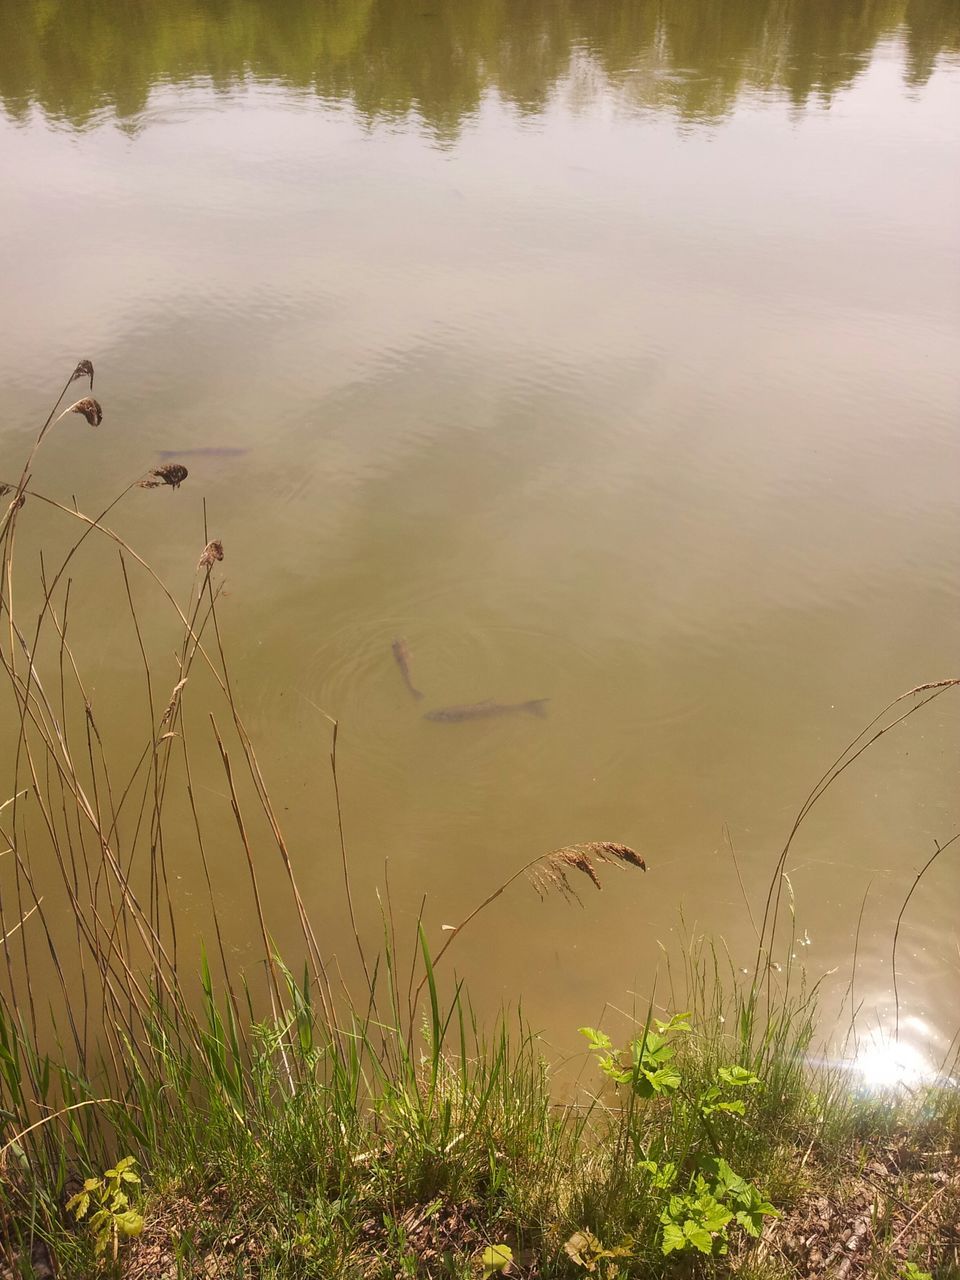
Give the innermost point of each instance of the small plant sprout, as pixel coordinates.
(710, 1196)
(107, 1202)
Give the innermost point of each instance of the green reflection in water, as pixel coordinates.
(438, 58)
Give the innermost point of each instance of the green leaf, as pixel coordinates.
(662, 1176)
(663, 1080)
(496, 1258)
(79, 1204)
(129, 1223)
(734, 1108)
(713, 1215)
(673, 1238)
(738, 1076)
(911, 1271)
(680, 1022)
(698, 1237)
(598, 1039)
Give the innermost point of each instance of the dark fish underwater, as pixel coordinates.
(484, 710)
(401, 653)
(208, 451)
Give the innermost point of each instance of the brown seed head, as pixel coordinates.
(90, 409)
(171, 473)
(212, 552)
(83, 370)
(549, 873)
(5, 488)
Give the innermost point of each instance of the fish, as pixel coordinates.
(484, 710)
(401, 653)
(208, 451)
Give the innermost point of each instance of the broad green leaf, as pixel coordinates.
(496, 1258)
(738, 1076)
(714, 1216)
(129, 1223)
(598, 1039)
(79, 1204)
(664, 1080)
(678, 1023)
(673, 1238)
(698, 1237)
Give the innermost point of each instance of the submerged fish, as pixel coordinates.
(483, 710)
(208, 451)
(402, 655)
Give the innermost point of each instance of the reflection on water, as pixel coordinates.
(439, 59)
(639, 393)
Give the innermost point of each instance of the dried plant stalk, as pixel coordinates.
(549, 873)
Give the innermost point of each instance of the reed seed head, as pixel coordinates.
(212, 552)
(549, 873)
(172, 704)
(84, 369)
(90, 409)
(171, 473)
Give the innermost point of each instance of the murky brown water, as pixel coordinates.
(608, 353)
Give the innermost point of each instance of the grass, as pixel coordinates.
(286, 1125)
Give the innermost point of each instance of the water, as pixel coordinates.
(606, 352)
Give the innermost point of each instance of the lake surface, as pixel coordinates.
(608, 352)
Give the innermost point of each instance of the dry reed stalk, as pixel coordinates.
(253, 766)
(84, 368)
(221, 677)
(896, 933)
(20, 923)
(548, 871)
(276, 990)
(771, 912)
(18, 1137)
